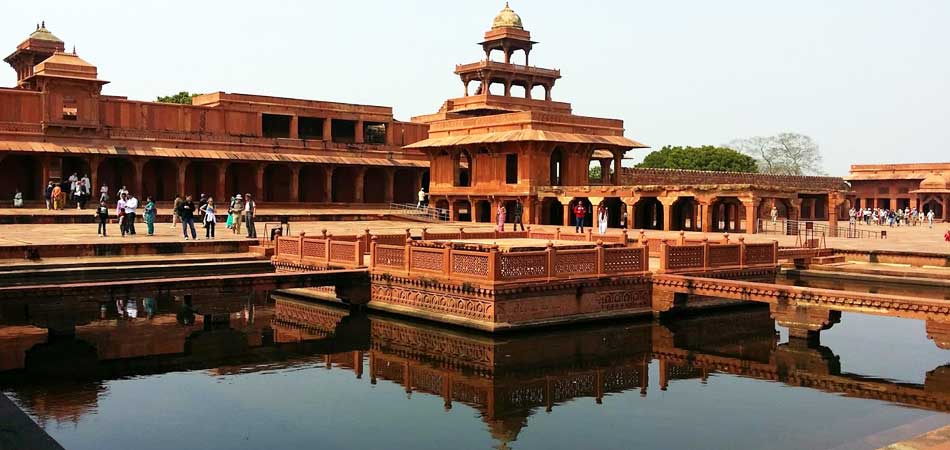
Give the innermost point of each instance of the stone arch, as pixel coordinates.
(343, 188)
(201, 177)
(648, 214)
(933, 203)
(552, 212)
(23, 172)
(277, 183)
(159, 179)
(615, 209)
(483, 211)
(684, 215)
(116, 172)
(404, 186)
(556, 167)
(311, 187)
(240, 178)
(727, 213)
(374, 185)
(601, 164)
(463, 211)
(463, 169)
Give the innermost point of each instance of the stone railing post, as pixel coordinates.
(590, 235)
(664, 256)
(557, 233)
(624, 234)
(493, 262)
(549, 249)
(461, 232)
(408, 234)
(774, 252)
(741, 252)
(642, 238)
(425, 234)
(372, 252)
(600, 257)
(447, 259)
(323, 233)
(725, 238)
(365, 241)
(300, 239)
(407, 259)
(705, 253)
(326, 254)
(682, 239)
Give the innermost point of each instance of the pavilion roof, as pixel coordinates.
(163, 152)
(527, 136)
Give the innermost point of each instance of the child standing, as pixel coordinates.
(102, 213)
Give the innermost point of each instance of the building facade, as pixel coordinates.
(925, 186)
(56, 122)
(493, 147)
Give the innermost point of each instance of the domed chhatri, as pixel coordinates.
(935, 182)
(507, 19)
(43, 34)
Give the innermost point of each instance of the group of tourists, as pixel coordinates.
(241, 210)
(126, 211)
(75, 189)
(892, 218)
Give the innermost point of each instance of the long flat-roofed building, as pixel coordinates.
(57, 122)
(925, 186)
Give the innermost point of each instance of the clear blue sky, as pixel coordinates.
(867, 79)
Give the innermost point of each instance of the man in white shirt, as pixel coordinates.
(930, 218)
(130, 206)
(422, 197)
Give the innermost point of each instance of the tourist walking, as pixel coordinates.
(422, 197)
(602, 219)
(175, 206)
(774, 214)
(517, 216)
(104, 193)
(102, 213)
(131, 205)
(17, 199)
(237, 214)
(500, 214)
(579, 213)
(48, 195)
(209, 218)
(930, 218)
(55, 194)
(150, 212)
(250, 209)
(186, 212)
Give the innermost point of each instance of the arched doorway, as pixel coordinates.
(201, 177)
(727, 212)
(277, 183)
(552, 212)
(76, 165)
(483, 211)
(442, 204)
(556, 170)
(615, 210)
(425, 180)
(21, 172)
(463, 169)
(116, 173)
(312, 185)
(648, 214)
(588, 208)
(343, 185)
(463, 211)
(159, 179)
(240, 178)
(684, 215)
(404, 186)
(934, 204)
(374, 185)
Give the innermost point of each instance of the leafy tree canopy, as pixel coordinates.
(182, 98)
(707, 157)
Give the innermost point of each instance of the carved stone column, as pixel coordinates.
(751, 206)
(358, 183)
(294, 183)
(328, 184)
(667, 203)
(259, 182)
(328, 129)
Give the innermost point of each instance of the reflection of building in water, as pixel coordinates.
(507, 378)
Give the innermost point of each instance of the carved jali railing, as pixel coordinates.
(707, 256)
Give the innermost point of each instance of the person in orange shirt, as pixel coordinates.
(57, 196)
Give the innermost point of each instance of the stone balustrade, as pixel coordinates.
(681, 256)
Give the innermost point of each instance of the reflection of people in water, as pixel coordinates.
(120, 307)
(151, 307)
(186, 314)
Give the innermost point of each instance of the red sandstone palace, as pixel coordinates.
(923, 186)
(486, 148)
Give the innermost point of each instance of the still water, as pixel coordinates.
(279, 373)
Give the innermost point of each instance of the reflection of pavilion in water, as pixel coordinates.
(505, 378)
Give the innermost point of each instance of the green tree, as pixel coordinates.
(593, 172)
(707, 157)
(782, 154)
(182, 98)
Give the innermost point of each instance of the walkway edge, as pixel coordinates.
(19, 431)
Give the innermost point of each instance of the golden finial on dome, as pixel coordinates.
(507, 19)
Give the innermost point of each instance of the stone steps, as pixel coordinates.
(134, 270)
